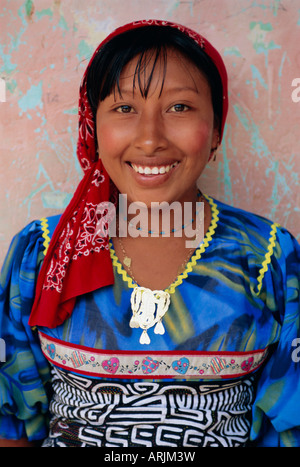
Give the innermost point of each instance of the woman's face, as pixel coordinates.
(155, 148)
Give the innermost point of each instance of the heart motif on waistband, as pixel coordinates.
(51, 350)
(247, 364)
(181, 365)
(149, 365)
(111, 365)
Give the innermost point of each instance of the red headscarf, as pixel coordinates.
(78, 258)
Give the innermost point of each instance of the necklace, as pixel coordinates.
(149, 306)
(127, 261)
(182, 227)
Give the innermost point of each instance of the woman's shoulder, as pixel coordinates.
(30, 242)
(43, 227)
(243, 219)
(40, 228)
(257, 230)
(235, 216)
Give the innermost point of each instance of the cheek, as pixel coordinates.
(108, 140)
(196, 138)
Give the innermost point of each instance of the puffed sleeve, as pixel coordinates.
(276, 412)
(24, 371)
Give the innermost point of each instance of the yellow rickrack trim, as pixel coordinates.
(45, 235)
(189, 265)
(268, 255)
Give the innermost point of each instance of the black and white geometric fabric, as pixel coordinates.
(89, 412)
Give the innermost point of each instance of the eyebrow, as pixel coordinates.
(180, 89)
(167, 91)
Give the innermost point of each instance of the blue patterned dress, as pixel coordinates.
(225, 372)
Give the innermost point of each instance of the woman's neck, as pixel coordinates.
(179, 218)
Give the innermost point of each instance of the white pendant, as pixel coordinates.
(144, 339)
(148, 308)
(159, 328)
(133, 322)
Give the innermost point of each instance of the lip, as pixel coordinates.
(156, 178)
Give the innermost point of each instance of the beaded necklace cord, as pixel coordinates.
(183, 226)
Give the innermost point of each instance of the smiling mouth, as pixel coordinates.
(153, 170)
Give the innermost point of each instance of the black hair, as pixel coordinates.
(147, 43)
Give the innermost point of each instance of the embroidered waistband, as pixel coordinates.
(150, 364)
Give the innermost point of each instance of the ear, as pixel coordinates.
(214, 143)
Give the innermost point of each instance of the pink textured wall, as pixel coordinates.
(44, 47)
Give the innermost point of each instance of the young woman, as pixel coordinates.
(118, 339)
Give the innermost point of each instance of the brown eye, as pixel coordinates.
(125, 109)
(179, 108)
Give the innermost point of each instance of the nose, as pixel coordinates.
(150, 136)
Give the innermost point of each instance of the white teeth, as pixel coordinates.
(153, 170)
